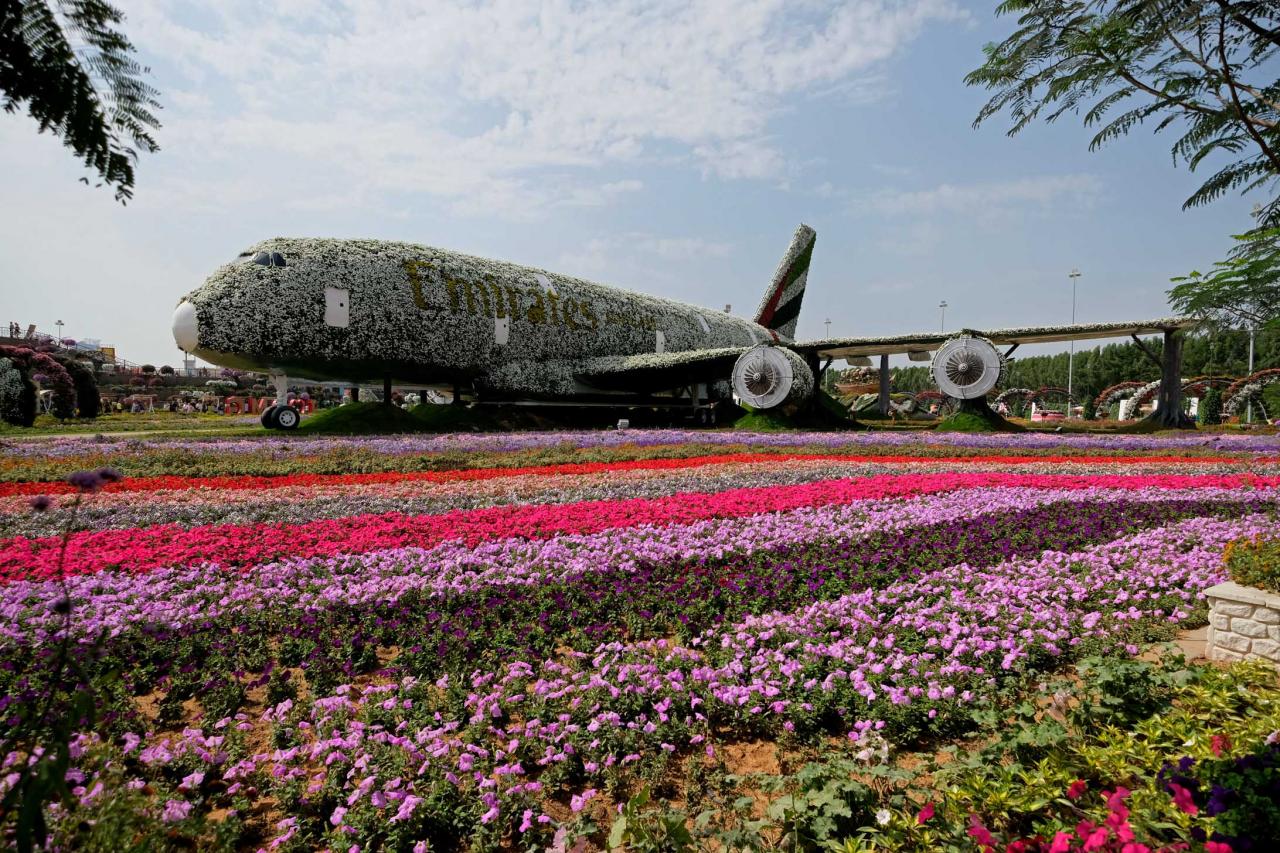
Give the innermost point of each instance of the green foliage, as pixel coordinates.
(73, 69)
(823, 804)
(1210, 411)
(1049, 759)
(88, 400)
(1123, 63)
(638, 831)
(1255, 562)
(976, 416)
(1241, 291)
(825, 412)
(360, 419)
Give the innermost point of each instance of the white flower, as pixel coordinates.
(882, 817)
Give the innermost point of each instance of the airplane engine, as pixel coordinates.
(765, 377)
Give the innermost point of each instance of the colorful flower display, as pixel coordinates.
(504, 654)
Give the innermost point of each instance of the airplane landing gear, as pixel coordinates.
(281, 415)
(287, 417)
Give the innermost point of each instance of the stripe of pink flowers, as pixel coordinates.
(138, 550)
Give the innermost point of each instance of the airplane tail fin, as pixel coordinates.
(780, 308)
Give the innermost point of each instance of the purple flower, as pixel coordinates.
(407, 806)
(40, 503)
(86, 481)
(175, 810)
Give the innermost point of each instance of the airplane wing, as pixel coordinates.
(923, 342)
(657, 371)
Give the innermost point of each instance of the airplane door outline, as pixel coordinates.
(337, 307)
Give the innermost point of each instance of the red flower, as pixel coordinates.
(1220, 744)
(1217, 847)
(1076, 789)
(925, 813)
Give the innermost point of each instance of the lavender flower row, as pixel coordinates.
(502, 442)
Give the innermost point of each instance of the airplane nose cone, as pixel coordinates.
(186, 327)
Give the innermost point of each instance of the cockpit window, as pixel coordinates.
(266, 259)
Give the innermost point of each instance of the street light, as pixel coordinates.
(1071, 359)
(1249, 415)
(59, 325)
(828, 324)
(942, 306)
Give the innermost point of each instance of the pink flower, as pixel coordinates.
(1217, 847)
(925, 813)
(1076, 789)
(1219, 744)
(1182, 798)
(1061, 843)
(579, 801)
(981, 834)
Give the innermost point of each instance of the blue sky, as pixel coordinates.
(663, 146)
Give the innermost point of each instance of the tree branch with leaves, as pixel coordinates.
(69, 65)
(1202, 64)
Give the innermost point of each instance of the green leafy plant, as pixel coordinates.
(1255, 562)
(1171, 753)
(639, 831)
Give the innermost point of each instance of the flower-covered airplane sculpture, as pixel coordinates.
(370, 310)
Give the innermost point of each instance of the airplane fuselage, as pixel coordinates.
(362, 310)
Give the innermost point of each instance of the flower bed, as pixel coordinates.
(519, 649)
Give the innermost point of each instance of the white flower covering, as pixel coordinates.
(1248, 392)
(1118, 394)
(1011, 392)
(11, 388)
(428, 315)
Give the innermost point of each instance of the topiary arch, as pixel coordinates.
(925, 398)
(1004, 395)
(1241, 392)
(1193, 387)
(1112, 395)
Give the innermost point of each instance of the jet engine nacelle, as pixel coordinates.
(765, 377)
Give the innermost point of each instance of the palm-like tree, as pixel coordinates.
(68, 63)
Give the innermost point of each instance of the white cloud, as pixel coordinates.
(982, 199)
(640, 255)
(472, 101)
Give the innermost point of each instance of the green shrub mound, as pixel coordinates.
(826, 413)
(360, 419)
(977, 416)
(1255, 562)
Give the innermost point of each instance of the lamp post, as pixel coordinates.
(827, 322)
(1071, 359)
(1248, 418)
(59, 325)
(942, 306)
